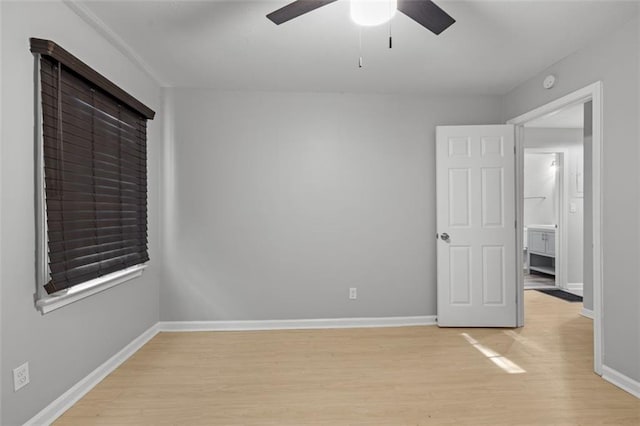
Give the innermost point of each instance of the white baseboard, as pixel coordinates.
(296, 324)
(575, 288)
(587, 313)
(65, 401)
(620, 380)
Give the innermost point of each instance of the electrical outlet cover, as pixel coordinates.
(20, 376)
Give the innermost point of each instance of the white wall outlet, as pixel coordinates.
(573, 208)
(549, 81)
(353, 293)
(20, 377)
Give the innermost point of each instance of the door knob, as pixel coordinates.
(444, 236)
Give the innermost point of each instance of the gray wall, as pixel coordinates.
(285, 200)
(64, 346)
(614, 60)
(2, 374)
(539, 181)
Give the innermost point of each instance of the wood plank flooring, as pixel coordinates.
(535, 280)
(385, 376)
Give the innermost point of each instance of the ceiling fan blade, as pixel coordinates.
(427, 14)
(295, 9)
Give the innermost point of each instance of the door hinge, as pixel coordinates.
(514, 150)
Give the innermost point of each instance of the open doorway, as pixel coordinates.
(541, 202)
(574, 188)
(553, 202)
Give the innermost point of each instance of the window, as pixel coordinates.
(92, 177)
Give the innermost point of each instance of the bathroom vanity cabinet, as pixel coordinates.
(541, 253)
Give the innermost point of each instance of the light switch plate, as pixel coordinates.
(353, 293)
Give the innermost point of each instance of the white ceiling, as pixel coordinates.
(568, 118)
(493, 46)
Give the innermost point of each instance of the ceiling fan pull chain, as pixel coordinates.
(390, 37)
(360, 47)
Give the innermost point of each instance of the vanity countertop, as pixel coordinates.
(544, 227)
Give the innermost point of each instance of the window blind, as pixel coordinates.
(95, 176)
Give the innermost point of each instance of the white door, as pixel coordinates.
(476, 227)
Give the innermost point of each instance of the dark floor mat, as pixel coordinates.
(561, 294)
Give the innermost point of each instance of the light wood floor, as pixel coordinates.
(534, 280)
(388, 376)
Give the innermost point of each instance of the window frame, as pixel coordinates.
(45, 302)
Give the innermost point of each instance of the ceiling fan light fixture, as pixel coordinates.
(369, 13)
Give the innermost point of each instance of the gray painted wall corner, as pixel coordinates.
(64, 346)
(615, 61)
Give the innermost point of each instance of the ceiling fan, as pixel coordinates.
(374, 12)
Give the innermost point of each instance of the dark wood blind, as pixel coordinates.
(95, 172)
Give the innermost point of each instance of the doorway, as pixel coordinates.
(541, 201)
(589, 100)
(553, 204)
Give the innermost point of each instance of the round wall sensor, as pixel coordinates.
(549, 81)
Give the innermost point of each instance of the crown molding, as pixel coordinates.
(112, 37)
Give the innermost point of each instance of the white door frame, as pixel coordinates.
(562, 190)
(592, 93)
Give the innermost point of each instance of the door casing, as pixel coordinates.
(593, 93)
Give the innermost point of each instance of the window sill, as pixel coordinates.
(62, 298)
